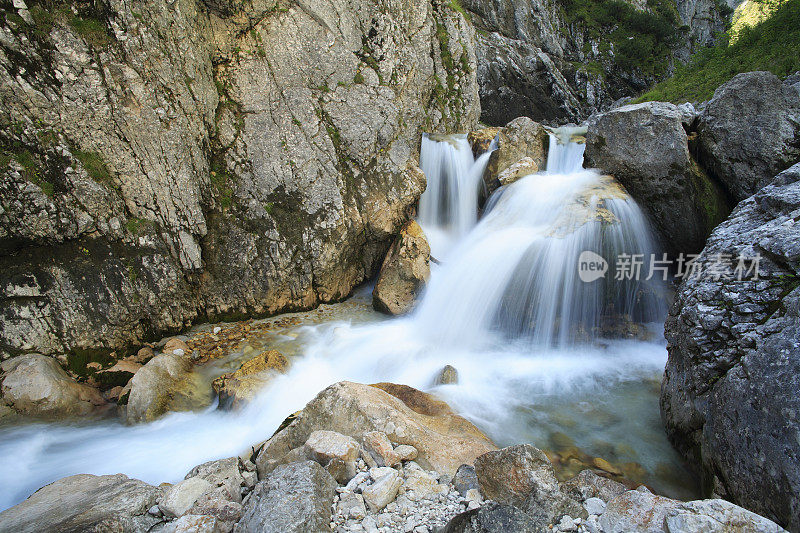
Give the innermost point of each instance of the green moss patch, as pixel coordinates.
(94, 165)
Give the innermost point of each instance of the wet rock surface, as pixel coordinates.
(646, 147)
(522, 139)
(166, 383)
(732, 336)
(239, 387)
(404, 272)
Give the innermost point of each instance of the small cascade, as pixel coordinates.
(516, 273)
(448, 207)
(565, 154)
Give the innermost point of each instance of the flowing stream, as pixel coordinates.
(505, 307)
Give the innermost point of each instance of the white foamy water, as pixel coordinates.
(448, 207)
(501, 310)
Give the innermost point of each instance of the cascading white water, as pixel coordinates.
(516, 274)
(565, 156)
(448, 207)
(506, 309)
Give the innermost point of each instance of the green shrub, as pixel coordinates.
(641, 39)
(773, 45)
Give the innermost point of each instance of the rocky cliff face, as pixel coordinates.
(703, 19)
(729, 397)
(167, 162)
(558, 61)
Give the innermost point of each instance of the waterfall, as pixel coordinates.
(506, 309)
(565, 154)
(448, 207)
(516, 274)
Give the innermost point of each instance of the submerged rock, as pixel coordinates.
(729, 395)
(405, 270)
(443, 440)
(646, 148)
(37, 385)
(85, 503)
(294, 498)
(750, 131)
(239, 387)
(165, 383)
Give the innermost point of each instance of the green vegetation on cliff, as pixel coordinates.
(633, 38)
(773, 45)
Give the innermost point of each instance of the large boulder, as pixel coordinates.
(640, 510)
(646, 148)
(523, 476)
(165, 383)
(295, 498)
(36, 385)
(405, 270)
(443, 440)
(750, 131)
(85, 503)
(210, 162)
(729, 396)
(520, 139)
(237, 388)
